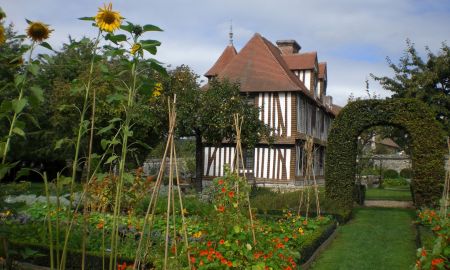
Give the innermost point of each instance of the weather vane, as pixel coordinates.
(231, 32)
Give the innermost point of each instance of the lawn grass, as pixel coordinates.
(397, 194)
(376, 238)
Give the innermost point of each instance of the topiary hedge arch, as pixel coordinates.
(427, 144)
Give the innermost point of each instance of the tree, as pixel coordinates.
(207, 113)
(427, 80)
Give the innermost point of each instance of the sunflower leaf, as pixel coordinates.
(33, 68)
(18, 105)
(28, 21)
(116, 38)
(129, 27)
(150, 27)
(151, 42)
(37, 93)
(158, 67)
(87, 18)
(46, 45)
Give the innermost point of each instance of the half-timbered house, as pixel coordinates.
(290, 88)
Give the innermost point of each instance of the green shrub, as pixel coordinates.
(390, 174)
(394, 182)
(406, 173)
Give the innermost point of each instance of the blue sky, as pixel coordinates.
(353, 36)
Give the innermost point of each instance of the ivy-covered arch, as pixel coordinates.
(427, 144)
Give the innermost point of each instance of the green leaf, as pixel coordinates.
(115, 38)
(87, 19)
(150, 27)
(22, 172)
(46, 45)
(159, 68)
(129, 27)
(6, 106)
(111, 159)
(32, 120)
(19, 131)
(28, 21)
(2, 149)
(116, 119)
(104, 68)
(18, 105)
(105, 129)
(60, 142)
(37, 92)
(19, 79)
(115, 97)
(33, 69)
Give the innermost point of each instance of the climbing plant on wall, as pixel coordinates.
(427, 144)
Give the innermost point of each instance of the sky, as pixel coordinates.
(354, 37)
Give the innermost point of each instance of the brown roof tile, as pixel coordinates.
(259, 66)
(322, 70)
(225, 58)
(301, 61)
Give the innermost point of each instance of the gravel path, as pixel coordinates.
(393, 204)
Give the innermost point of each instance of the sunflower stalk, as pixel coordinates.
(16, 114)
(125, 136)
(77, 147)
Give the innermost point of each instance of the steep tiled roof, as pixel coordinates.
(224, 59)
(322, 69)
(259, 66)
(301, 61)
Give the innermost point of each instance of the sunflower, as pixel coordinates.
(2, 34)
(135, 48)
(107, 19)
(38, 31)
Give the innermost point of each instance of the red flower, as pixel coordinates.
(223, 261)
(231, 194)
(424, 253)
(286, 239)
(222, 241)
(437, 261)
(220, 182)
(204, 253)
(288, 268)
(229, 263)
(224, 190)
(221, 208)
(280, 245)
(209, 243)
(192, 259)
(122, 266)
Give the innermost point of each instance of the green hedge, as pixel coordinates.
(406, 173)
(394, 182)
(390, 174)
(427, 144)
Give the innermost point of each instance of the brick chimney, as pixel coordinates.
(288, 46)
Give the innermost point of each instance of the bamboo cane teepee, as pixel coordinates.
(145, 241)
(310, 180)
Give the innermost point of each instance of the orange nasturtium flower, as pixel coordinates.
(107, 19)
(221, 208)
(437, 261)
(231, 194)
(38, 31)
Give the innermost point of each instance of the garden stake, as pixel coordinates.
(238, 127)
(445, 193)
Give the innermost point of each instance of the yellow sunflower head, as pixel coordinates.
(2, 35)
(38, 31)
(135, 48)
(107, 19)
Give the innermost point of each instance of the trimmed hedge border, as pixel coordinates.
(427, 144)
